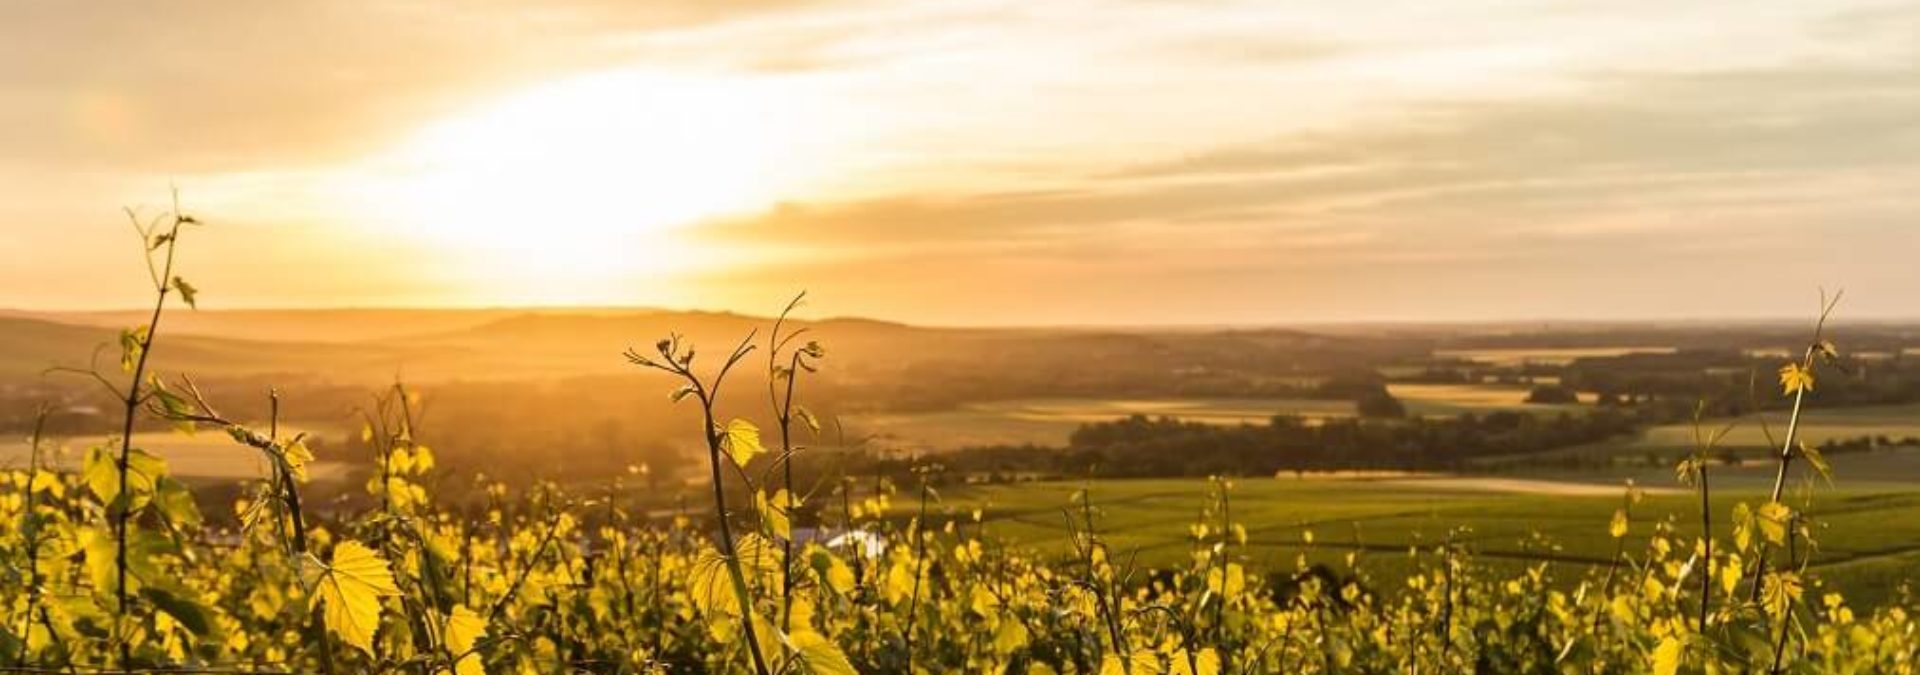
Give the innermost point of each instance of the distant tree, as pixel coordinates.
(1552, 394)
(1380, 404)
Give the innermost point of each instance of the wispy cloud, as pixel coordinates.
(1131, 158)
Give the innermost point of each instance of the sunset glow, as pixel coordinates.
(960, 162)
(559, 191)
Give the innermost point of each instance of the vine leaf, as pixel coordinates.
(1795, 378)
(819, 654)
(463, 631)
(350, 589)
(1666, 657)
(742, 442)
(1773, 522)
(188, 294)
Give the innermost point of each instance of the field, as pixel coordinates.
(1867, 534)
(1749, 439)
(1456, 399)
(1894, 422)
(1544, 356)
(202, 456)
(1050, 421)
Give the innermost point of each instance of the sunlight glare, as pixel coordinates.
(561, 191)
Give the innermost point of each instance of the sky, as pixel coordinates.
(974, 162)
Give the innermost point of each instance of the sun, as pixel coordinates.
(581, 188)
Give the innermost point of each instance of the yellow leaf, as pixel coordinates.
(1773, 521)
(820, 655)
(773, 513)
(297, 457)
(463, 631)
(1618, 528)
(350, 589)
(1794, 378)
(899, 582)
(1730, 575)
(742, 442)
(833, 570)
(1010, 636)
(710, 585)
(1207, 662)
(1666, 657)
(807, 418)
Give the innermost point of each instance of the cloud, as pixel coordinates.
(1100, 151)
(208, 86)
(1698, 141)
(1642, 182)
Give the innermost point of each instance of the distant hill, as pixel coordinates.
(30, 346)
(914, 363)
(297, 325)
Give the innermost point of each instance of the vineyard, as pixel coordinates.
(114, 567)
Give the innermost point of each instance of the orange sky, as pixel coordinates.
(975, 162)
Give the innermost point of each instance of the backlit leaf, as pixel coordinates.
(1666, 657)
(742, 441)
(1772, 519)
(819, 655)
(349, 589)
(463, 631)
(1795, 378)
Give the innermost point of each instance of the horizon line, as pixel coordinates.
(1381, 322)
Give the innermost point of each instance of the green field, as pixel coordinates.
(1050, 421)
(1749, 440)
(1820, 425)
(1868, 535)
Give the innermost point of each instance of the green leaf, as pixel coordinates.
(741, 441)
(195, 617)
